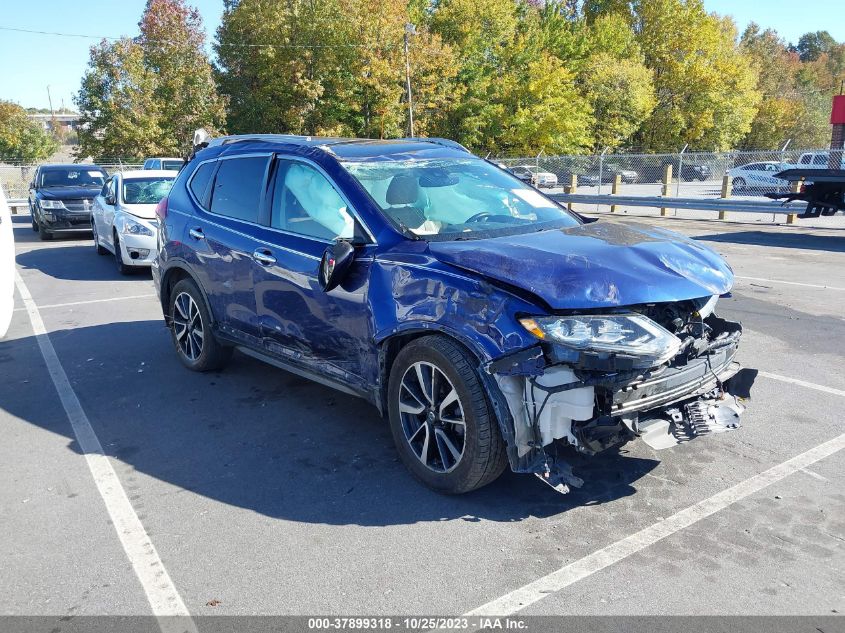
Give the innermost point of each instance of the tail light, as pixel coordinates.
(161, 209)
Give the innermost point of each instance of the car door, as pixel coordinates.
(221, 237)
(328, 331)
(105, 227)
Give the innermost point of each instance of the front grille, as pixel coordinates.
(79, 206)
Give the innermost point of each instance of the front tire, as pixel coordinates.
(43, 233)
(122, 268)
(190, 330)
(739, 183)
(441, 419)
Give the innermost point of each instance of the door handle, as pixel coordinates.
(264, 257)
(197, 234)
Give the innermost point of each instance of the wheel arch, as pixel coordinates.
(172, 276)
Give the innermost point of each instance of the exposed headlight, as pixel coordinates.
(628, 334)
(131, 227)
(52, 204)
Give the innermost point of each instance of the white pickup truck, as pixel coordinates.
(816, 160)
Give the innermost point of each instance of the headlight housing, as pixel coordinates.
(632, 335)
(131, 227)
(52, 204)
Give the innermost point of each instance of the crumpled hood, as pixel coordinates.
(596, 265)
(68, 193)
(146, 211)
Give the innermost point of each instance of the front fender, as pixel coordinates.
(410, 296)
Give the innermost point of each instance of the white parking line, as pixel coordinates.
(791, 283)
(802, 383)
(82, 303)
(519, 599)
(161, 593)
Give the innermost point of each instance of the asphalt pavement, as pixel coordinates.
(262, 493)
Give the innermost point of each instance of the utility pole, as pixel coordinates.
(410, 29)
(52, 114)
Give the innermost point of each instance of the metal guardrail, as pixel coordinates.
(670, 202)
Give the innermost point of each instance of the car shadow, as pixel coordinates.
(262, 439)
(76, 262)
(830, 243)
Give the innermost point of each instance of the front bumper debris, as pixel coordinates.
(553, 406)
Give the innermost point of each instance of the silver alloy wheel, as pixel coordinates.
(188, 326)
(432, 417)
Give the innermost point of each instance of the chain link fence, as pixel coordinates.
(693, 174)
(15, 178)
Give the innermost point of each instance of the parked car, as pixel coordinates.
(534, 176)
(816, 160)
(488, 323)
(7, 266)
(758, 176)
(608, 175)
(653, 171)
(61, 197)
(171, 164)
(123, 218)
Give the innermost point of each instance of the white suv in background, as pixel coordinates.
(123, 218)
(170, 164)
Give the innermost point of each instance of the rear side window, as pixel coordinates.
(820, 159)
(199, 183)
(237, 188)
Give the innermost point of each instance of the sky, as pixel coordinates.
(31, 62)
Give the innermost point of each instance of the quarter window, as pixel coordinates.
(306, 202)
(199, 183)
(237, 187)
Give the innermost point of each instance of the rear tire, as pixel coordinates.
(438, 377)
(190, 330)
(100, 250)
(739, 183)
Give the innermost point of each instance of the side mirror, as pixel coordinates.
(110, 200)
(335, 263)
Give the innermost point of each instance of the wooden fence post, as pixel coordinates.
(572, 188)
(617, 184)
(667, 186)
(795, 187)
(727, 187)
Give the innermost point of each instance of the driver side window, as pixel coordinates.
(307, 203)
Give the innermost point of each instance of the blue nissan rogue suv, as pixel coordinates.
(490, 325)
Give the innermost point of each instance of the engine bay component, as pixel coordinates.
(717, 413)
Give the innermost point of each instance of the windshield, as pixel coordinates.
(172, 165)
(456, 198)
(72, 178)
(146, 190)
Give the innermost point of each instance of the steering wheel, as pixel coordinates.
(479, 217)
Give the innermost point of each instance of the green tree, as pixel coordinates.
(119, 115)
(518, 97)
(811, 46)
(22, 139)
(621, 93)
(173, 41)
(145, 96)
(332, 67)
(705, 84)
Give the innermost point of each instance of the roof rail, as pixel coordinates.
(445, 142)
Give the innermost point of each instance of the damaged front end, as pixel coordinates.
(663, 372)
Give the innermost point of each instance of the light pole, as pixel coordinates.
(410, 29)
